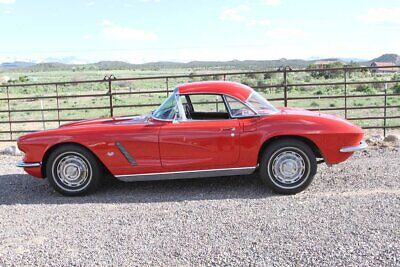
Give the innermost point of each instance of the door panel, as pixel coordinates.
(140, 141)
(194, 145)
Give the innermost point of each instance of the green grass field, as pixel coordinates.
(143, 97)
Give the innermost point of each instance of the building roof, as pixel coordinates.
(236, 90)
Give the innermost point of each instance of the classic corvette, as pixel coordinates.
(203, 129)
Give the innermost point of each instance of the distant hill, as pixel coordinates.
(207, 65)
(52, 66)
(16, 65)
(394, 58)
(112, 65)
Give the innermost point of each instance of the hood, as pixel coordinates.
(107, 121)
(305, 112)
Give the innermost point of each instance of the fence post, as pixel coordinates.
(42, 112)
(285, 87)
(384, 112)
(9, 113)
(58, 107)
(166, 83)
(111, 96)
(345, 92)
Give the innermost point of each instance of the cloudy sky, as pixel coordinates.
(176, 30)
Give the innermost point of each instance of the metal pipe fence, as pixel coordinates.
(106, 97)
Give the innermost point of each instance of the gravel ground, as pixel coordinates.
(348, 216)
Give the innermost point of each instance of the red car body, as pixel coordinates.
(160, 146)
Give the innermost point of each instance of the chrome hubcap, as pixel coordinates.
(288, 167)
(73, 171)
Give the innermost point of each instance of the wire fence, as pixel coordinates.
(31, 107)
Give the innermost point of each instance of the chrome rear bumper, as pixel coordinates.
(23, 164)
(348, 149)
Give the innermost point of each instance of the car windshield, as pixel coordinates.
(167, 109)
(260, 104)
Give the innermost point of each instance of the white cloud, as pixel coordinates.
(286, 33)
(8, 10)
(237, 13)
(240, 14)
(90, 3)
(107, 23)
(7, 2)
(258, 23)
(272, 2)
(382, 15)
(87, 37)
(115, 32)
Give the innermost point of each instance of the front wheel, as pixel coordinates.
(288, 166)
(73, 170)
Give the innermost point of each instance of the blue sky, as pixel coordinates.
(153, 30)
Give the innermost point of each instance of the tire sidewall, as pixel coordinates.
(274, 150)
(94, 167)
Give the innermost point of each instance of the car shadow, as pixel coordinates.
(24, 189)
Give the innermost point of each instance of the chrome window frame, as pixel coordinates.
(245, 104)
(273, 112)
(224, 96)
(179, 107)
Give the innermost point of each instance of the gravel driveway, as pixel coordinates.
(348, 216)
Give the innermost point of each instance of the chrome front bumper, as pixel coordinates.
(349, 149)
(23, 164)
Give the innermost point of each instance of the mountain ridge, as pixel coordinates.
(231, 64)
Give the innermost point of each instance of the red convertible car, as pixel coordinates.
(202, 129)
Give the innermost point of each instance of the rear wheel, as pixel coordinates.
(288, 166)
(73, 170)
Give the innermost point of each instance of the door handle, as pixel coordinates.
(231, 129)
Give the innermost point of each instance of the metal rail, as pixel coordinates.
(12, 125)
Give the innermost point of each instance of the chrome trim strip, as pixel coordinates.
(186, 174)
(348, 149)
(22, 164)
(245, 104)
(126, 154)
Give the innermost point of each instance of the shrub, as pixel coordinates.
(314, 104)
(396, 88)
(363, 88)
(319, 92)
(23, 78)
(248, 81)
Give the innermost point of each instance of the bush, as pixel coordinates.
(314, 104)
(364, 88)
(319, 92)
(248, 81)
(396, 88)
(23, 79)
(396, 77)
(327, 74)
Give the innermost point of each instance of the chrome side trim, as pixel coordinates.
(23, 164)
(126, 154)
(363, 145)
(185, 174)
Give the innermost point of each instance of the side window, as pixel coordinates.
(208, 103)
(238, 109)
